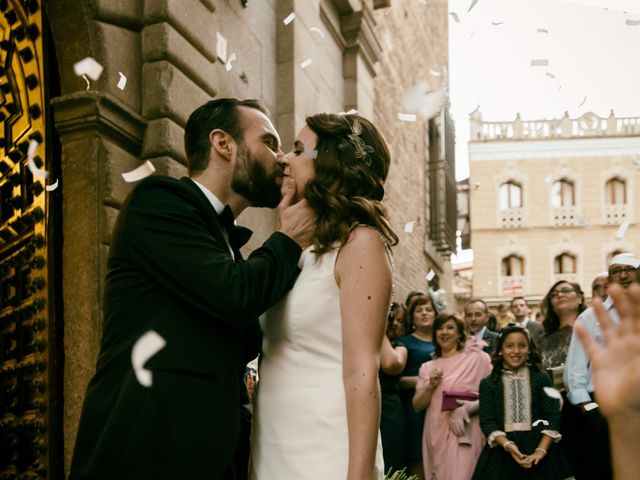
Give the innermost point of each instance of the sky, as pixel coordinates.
(593, 55)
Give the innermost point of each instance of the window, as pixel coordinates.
(512, 266)
(616, 191)
(563, 193)
(565, 263)
(510, 195)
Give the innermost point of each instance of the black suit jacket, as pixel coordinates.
(489, 336)
(170, 270)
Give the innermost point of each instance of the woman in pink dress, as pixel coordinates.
(452, 439)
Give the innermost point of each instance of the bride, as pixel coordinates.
(317, 411)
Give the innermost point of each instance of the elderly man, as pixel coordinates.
(520, 310)
(476, 315)
(578, 376)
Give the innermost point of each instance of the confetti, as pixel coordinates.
(228, 65)
(454, 15)
(433, 72)
(139, 173)
(122, 82)
(548, 179)
(542, 30)
(86, 80)
(430, 275)
(306, 63)
(89, 67)
(33, 147)
(145, 347)
(583, 100)
(353, 111)
(289, 18)
(311, 153)
(550, 75)
(498, 23)
(408, 227)
(582, 221)
(423, 2)
(540, 421)
(473, 4)
(221, 47)
(540, 62)
(52, 187)
(622, 229)
(632, 23)
(318, 31)
(432, 103)
(590, 406)
(387, 39)
(407, 117)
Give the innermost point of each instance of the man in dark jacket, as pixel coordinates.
(181, 305)
(476, 316)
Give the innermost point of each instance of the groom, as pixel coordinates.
(181, 305)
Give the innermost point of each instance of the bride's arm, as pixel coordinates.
(363, 274)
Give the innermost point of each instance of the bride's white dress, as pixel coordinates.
(300, 416)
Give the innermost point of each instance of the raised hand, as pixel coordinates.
(296, 220)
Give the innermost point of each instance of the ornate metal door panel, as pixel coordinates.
(25, 331)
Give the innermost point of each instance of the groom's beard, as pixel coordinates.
(251, 180)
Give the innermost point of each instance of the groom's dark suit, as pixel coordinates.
(170, 271)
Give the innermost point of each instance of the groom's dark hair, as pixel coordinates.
(220, 113)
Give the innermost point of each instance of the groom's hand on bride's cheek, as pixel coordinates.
(296, 220)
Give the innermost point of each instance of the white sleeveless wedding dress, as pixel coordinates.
(300, 415)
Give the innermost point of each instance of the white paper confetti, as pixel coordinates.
(89, 67)
(122, 82)
(52, 187)
(408, 227)
(632, 23)
(317, 31)
(454, 15)
(353, 111)
(228, 65)
(583, 101)
(550, 75)
(430, 275)
(86, 80)
(407, 117)
(31, 152)
(542, 30)
(145, 347)
(473, 4)
(552, 392)
(387, 40)
(221, 47)
(590, 406)
(289, 18)
(306, 63)
(540, 421)
(311, 153)
(423, 2)
(432, 103)
(139, 173)
(434, 72)
(498, 23)
(622, 229)
(540, 62)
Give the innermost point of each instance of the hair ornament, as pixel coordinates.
(362, 150)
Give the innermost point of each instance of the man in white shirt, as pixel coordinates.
(579, 380)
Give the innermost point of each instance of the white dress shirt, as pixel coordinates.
(218, 206)
(578, 378)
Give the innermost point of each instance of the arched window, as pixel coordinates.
(510, 195)
(563, 193)
(616, 191)
(512, 266)
(565, 263)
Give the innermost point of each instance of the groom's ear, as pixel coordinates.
(222, 144)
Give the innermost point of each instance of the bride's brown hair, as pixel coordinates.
(350, 169)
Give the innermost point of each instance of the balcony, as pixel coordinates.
(511, 218)
(615, 214)
(565, 216)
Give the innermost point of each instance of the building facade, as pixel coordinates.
(162, 59)
(550, 200)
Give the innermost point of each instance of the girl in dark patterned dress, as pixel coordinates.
(520, 415)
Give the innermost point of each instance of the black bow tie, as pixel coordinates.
(238, 236)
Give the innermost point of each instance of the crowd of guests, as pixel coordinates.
(502, 395)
